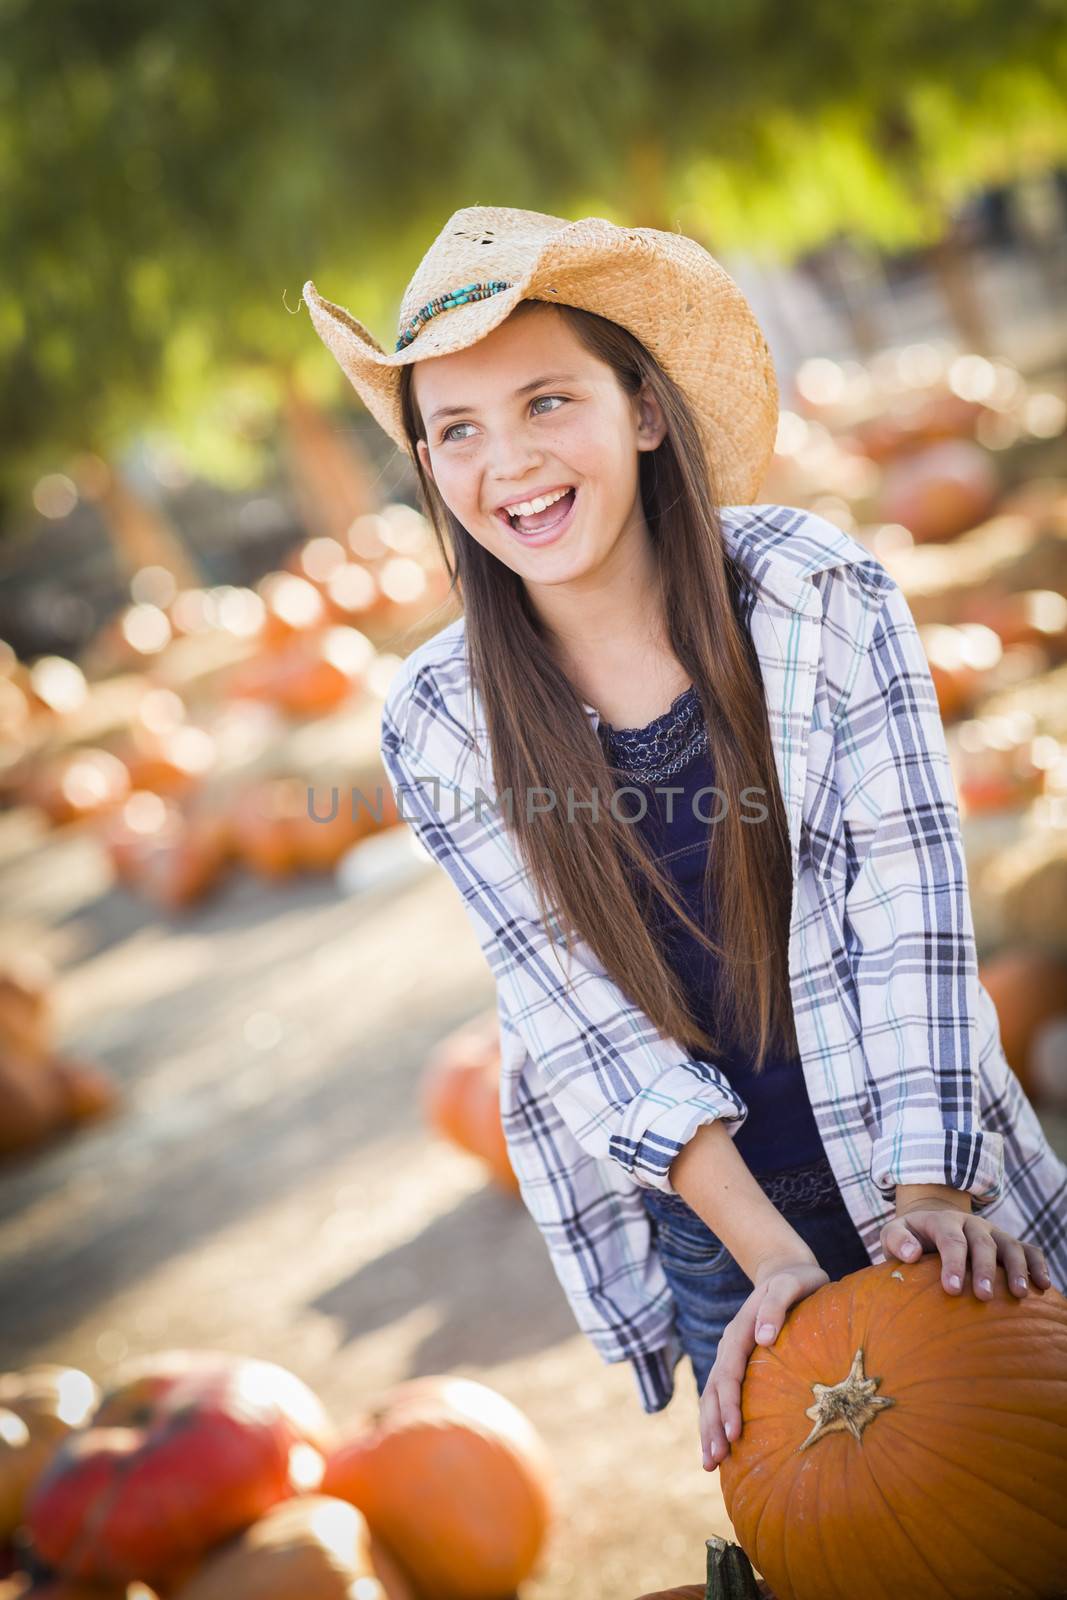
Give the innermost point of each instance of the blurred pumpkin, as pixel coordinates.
(455, 1480)
(312, 1548)
(873, 1378)
(996, 769)
(200, 1443)
(56, 686)
(89, 1091)
(322, 831)
(1047, 1064)
(1034, 617)
(1028, 987)
(81, 783)
(293, 607)
(22, 1587)
(172, 763)
(460, 1096)
(353, 594)
(39, 1407)
(33, 1103)
(263, 823)
(939, 491)
(309, 676)
(26, 1004)
(928, 418)
(172, 855)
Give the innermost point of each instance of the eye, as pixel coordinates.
(561, 398)
(445, 437)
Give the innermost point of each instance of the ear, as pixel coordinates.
(424, 458)
(651, 423)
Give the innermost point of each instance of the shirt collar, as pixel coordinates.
(779, 549)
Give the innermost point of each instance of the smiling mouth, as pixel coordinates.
(543, 520)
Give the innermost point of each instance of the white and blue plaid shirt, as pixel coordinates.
(899, 1041)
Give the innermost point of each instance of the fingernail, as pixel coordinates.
(954, 1282)
(984, 1283)
(765, 1331)
(1020, 1283)
(907, 1249)
(730, 1430)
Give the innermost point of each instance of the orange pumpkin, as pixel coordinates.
(460, 1096)
(456, 1481)
(322, 832)
(173, 856)
(79, 784)
(293, 607)
(39, 1406)
(263, 825)
(898, 1440)
(33, 1102)
(26, 1007)
(1028, 988)
(314, 1548)
(89, 1091)
(174, 763)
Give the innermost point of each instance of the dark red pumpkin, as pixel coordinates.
(186, 1449)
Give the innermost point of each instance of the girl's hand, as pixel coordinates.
(943, 1227)
(779, 1285)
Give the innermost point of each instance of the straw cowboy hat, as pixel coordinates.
(665, 288)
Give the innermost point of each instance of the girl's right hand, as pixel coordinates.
(779, 1285)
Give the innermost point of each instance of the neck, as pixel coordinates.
(613, 613)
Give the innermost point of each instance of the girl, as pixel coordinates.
(765, 1060)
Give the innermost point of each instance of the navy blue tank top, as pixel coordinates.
(671, 752)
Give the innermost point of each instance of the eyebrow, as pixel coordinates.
(535, 383)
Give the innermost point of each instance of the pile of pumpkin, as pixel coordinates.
(174, 805)
(41, 1091)
(178, 735)
(204, 1476)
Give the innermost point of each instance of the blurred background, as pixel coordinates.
(248, 1059)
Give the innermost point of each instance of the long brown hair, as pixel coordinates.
(597, 878)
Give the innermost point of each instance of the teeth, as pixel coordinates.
(526, 508)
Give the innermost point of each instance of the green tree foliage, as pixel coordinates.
(170, 176)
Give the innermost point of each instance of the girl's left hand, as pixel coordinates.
(955, 1234)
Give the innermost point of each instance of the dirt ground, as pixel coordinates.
(268, 1186)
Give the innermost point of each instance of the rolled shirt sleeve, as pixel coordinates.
(626, 1093)
(908, 925)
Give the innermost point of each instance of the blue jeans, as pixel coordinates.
(708, 1285)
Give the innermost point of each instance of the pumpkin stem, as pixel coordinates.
(730, 1575)
(850, 1404)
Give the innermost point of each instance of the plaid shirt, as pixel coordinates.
(898, 1040)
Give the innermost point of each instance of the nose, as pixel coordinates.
(512, 453)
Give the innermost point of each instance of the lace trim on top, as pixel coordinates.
(663, 746)
(807, 1188)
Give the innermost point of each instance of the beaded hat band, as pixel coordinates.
(664, 287)
(445, 302)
